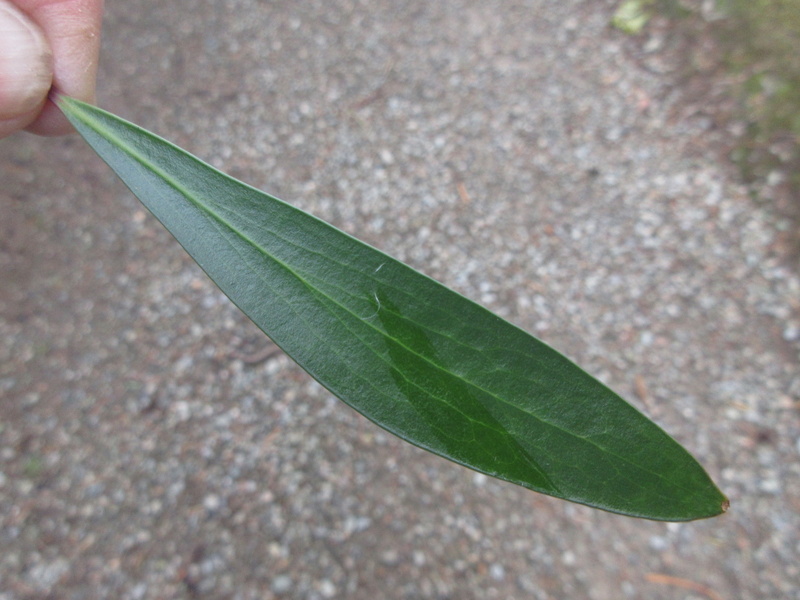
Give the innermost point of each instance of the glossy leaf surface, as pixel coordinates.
(416, 358)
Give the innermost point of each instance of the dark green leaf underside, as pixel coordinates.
(411, 355)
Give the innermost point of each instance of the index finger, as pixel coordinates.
(72, 28)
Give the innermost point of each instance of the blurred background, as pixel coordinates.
(583, 180)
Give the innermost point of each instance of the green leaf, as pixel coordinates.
(632, 15)
(416, 358)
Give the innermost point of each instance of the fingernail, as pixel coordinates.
(26, 63)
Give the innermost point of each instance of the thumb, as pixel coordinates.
(26, 69)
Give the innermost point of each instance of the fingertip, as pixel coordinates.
(72, 29)
(26, 67)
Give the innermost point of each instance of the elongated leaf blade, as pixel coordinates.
(416, 358)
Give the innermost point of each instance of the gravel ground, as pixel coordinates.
(523, 153)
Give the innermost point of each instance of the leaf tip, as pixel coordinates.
(55, 95)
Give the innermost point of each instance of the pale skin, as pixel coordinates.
(46, 45)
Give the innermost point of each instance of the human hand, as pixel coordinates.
(46, 44)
